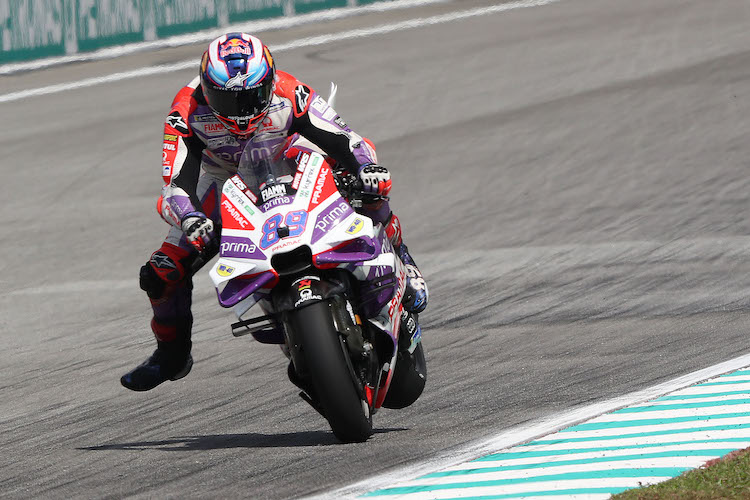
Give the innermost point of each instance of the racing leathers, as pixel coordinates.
(199, 155)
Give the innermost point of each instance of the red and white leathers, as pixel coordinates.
(199, 154)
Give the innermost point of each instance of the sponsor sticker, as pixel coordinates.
(235, 46)
(304, 288)
(356, 226)
(297, 179)
(213, 127)
(217, 142)
(318, 190)
(224, 270)
(235, 214)
(273, 192)
(303, 162)
(239, 182)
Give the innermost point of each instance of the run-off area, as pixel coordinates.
(642, 444)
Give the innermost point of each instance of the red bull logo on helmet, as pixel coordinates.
(235, 46)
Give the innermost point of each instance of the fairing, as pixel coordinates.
(277, 205)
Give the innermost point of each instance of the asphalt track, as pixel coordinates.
(572, 179)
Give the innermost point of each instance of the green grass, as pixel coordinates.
(727, 477)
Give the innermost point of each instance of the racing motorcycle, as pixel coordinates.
(327, 284)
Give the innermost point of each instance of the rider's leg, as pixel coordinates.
(416, 295)
(168, 285)
(167, 280)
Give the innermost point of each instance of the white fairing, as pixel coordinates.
(329, 223)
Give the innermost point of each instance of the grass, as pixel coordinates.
(726, 478)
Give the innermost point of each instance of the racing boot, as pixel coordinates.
(169, 288)
(411, 368)
(416, 295)
(410, 333)
(170, 361)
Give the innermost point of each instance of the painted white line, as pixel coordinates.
(667, 426)
(697, 435)
(295, 44)
(207, 35)
(527, 487)
(689, 462)
(544, 427)
(735, 378)
(565, 455)
(615, 418)
(709, 399)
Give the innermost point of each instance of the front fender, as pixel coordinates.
(305, 290)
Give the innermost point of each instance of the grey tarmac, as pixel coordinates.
(572, 180)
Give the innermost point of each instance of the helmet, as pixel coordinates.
(237, 76)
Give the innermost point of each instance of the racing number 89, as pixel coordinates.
(295, 221)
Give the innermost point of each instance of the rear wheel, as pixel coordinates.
(327, 364)
(408, 381)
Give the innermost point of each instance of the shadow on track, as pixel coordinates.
(225, 441)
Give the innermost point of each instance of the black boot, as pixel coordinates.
(416, 295)
(170, 361)
(410, 333)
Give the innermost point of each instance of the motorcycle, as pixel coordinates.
(328, 284)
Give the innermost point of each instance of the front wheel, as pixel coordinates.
(327, 366)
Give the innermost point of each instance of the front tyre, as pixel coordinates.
(327, 363)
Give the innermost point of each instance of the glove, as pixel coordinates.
(376, 179)
(199, 230)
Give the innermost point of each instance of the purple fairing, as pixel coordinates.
(330, 218)
(238, 290)
(373, 299)
(358, 251)
(244, 248)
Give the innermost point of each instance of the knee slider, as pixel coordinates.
(150, 282)
(161, 270)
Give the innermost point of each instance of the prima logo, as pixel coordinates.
(332, 218)
(233, 247)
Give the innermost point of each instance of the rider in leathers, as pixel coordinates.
(238, 97)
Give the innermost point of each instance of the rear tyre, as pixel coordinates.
(408, 380)
(325, 358)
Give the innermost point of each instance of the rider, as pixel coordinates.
(237, 96)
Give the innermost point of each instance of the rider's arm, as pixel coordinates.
(181, 160)
(319, 123)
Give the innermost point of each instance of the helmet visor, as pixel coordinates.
(240, 106)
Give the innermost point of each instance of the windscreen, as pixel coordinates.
(265, 169)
